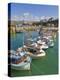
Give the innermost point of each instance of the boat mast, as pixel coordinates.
(23, 30)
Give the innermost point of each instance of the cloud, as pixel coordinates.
(29, 17)
(15, 18)
(26, 17)
(36, 18)
(42, 17)
(26, 14)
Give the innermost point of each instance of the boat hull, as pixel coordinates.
(37, 56)
(26, 66)
(23, 65)
(44, 47)
(51, 45)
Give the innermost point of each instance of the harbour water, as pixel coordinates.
(44, 66)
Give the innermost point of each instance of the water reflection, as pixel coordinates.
(13, 35)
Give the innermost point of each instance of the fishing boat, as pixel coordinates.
(20, 61)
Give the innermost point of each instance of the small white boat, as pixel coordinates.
(39, 55)
(20, 61)
(47, 37)
(45, 46)
(34, 45)
(24, 65)
(40, 42)
(36, 54)
(51, 44)
(19, 49)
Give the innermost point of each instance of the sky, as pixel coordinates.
(32, 11)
